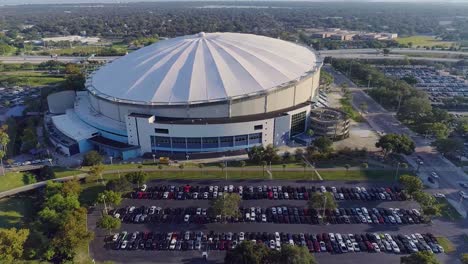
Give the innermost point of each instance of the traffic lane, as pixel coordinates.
(264, 203)
(255, 183)
(102, 252)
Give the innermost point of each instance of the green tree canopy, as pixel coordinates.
(247, 252)
(226, 205)
(421, 257)
(110, 197)
(109, 223)
(323, 145)
(295, 255)
(322, 200)
(92, 158)
(448, 145)
(464, 258)
(12, 244)
(401, 144)
(119, 185)
(411, 183)
(136, 177)
(46, 173)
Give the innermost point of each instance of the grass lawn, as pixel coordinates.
(348, 109)
(33, 79)
(359, 175)
(424, 41)
(447, 210)
(14, 211)
(446, 244)
(11, 180)
(63, 172)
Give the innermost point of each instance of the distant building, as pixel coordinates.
(73, 38)
(329, 122)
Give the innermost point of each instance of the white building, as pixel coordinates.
(213, 92)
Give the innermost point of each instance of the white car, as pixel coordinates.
(463, 194)
(205, 195)
(198, 211)
(264, 218)
(286, 195)
(231, 188)
(124, 244)
(323, 189)
(277, 236)
(166, 195)
(241, 236)
(395, 247)
(186, 218)
(195, 195)
(144, 187)
(434, 174)
(376, 247)
(131, 209)
(152, 210)
(439, 195)
(173, 244)
(115, 237)
(272, 244)
(332, 237)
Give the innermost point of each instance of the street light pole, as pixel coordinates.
(154, 158)
(396, 173)
(324, 203)
(110, 159)
(225, 170)
(105, 206)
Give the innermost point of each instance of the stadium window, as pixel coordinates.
(258, 127)
(161, 131)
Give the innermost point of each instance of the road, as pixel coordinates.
(395, 51)
(385, 122)
(362, 56)
(40, 59)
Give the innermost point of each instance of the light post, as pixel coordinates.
(396, 172)
(105, 205)
(225, 165)
(324, 203)
(419, 166)
(187, 156)
(154, 158)
(110, 157)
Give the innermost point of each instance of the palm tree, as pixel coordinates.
(201, 165)
(284, 167)
(347, 166)
(263, 163)
(242, 164)
(181, 167)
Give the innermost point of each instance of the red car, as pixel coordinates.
(316, 246)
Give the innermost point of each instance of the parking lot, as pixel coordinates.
(102, 248)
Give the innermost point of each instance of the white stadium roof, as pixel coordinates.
(204, 67)
(72, 126)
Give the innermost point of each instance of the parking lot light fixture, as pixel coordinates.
(396, 172)
(105, 205)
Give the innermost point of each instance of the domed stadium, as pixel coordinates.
(208, 92)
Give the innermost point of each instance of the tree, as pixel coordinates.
(201, 166)
(28, 139)
(4, 140)
(322, 200)
(109, 197)
(92, 158)
(227, 205)
(401, 144)
(464, 258)
(247, 252)
(448, 145)
(119, 185)
(421, 257)
(96, 172)
(222, 165)
(290, 254)
(12, 244)
(440, 130)
(29, 178)
(347, 166)
(414, 109)
(411, 183)
(431, 210)
(46, 173)
(136, 177)
(323, 145)
(423, 198)
(365, 165)
(109, 223)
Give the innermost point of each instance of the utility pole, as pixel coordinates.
(396, 173)
(324, 203)
(105, 205)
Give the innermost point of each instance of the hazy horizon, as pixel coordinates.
(25, 2)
